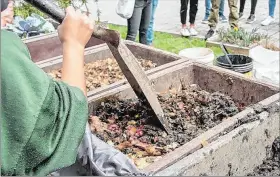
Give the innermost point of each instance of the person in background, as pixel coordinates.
(213, 20)
(139, 20)
(270, 19)
(252, 18)
(222, 17)
(150, 32)
(183, 14)
(7, 13)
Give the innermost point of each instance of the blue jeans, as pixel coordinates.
(150, 32)
(272, 4)
(139, 21)
(208, 8)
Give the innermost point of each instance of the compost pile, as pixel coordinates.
(271, 165)
(126, 124)
(103, 72)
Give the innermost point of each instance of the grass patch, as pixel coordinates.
(169, 42)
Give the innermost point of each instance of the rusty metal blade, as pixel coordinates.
(139, 82)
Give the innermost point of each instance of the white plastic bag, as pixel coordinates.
(125, 8)
(266, 64)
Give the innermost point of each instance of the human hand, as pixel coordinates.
(7, 15)
(76, 28)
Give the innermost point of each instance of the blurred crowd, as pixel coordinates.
(142, 19)
(143, 16)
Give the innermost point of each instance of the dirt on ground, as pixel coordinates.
(103, 72)
(270, 165)
(126, 125)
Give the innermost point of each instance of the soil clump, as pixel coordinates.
(270, 165)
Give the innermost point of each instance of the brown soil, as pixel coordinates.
(103, 72)
(190, 112)
(270, 165)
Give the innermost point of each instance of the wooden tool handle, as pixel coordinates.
(49, 8)
(56, 13)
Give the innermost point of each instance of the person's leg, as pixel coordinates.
(241, 8)
(242, 5)
(183, 12)
(270, 19)
(183, 15)
(222, 6)
(193, 12)
(221, 12)
(207, 8)
(207, 11)
(134, 22)
(253, 6)
(145, 21)
(233, 16)
(272, 5)
(150, 32)
(213, 20)
(252, 18)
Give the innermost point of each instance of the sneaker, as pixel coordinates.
(268, 21)
(193, 32)
(240, 15)
(209, 34)
(223, 19)
(251, 19)
(185, 32)
(205, 20)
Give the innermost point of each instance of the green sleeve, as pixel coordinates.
(42, 120)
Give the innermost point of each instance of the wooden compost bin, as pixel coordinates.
(211, 79)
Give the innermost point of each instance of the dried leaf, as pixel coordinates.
(110, 143)
(139, 144)
(151, 150)
(96, 125)
(140, 154)
(132, 122)
(204, 143)
(124, 145)
(131, 130)
(141, 163)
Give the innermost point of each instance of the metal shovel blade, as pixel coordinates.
(129, 65)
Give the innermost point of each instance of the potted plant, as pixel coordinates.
(238, 41)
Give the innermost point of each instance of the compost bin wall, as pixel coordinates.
(49, 46)
(241, 89)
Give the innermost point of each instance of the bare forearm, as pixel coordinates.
(73, 66)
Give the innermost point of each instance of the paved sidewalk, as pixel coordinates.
(168, 20)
